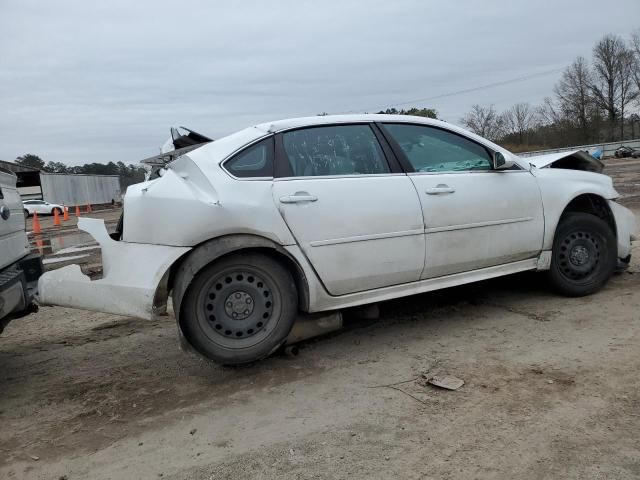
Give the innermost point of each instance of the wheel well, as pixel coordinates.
(593, 204)
(186, 268)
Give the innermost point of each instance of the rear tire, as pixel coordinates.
(239, 309)
(53, 211)
(583, 256)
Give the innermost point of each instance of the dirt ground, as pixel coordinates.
(551, 391)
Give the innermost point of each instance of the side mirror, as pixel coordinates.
(501, 163)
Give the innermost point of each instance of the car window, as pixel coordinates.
(334, 150)
(430, 149)
(255, 161)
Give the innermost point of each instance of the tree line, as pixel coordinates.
(129, 174)
(595, 100)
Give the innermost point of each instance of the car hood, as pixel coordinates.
(573, 160)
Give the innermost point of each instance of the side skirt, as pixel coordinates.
(323, 301)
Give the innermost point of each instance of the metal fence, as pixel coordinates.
(606, 148)
(80, 189)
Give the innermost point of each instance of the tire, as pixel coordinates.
(26, 214)
(584, 255)
(239, 309)
(53, 211)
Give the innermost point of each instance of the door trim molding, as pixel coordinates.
(490, 223)
(364, 238)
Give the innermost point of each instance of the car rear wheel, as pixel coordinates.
(56, 209)
(26, 213)
(239, 309)
(583, 256)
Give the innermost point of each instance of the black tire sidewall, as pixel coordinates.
(606, 266)
(199, 340)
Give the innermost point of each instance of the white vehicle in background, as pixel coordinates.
(323, 213)
(19, 270)
(41, 207)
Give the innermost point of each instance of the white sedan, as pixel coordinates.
(41, 207)
(324, 213)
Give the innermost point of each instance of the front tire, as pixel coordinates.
(239, 309)
(583, 256)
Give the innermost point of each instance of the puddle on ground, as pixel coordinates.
(53, 245)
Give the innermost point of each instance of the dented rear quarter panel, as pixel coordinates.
(196, 200)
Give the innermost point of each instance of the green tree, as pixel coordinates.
(56, 167)
(416, 112)
(30, 160)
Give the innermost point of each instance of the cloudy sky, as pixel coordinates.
(98, 81)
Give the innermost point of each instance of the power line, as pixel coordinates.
(468, 90)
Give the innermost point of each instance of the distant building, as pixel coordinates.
(63, 188)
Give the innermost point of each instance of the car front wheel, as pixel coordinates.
(583, 256)
(239, 309)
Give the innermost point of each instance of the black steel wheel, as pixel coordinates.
(583, 256)
(239, 309)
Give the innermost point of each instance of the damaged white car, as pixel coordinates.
(324, 213)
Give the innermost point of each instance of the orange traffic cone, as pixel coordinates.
(40, 245)
(56, 218)
(89, 208)
(65, 215)
(36, 224)
(77, 210)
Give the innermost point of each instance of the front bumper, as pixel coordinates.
(134, 277)
(18, 287)
(625, 228)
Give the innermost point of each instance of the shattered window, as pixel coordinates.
(255, 161)
(334, 150)
(430, 149)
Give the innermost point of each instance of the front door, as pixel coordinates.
(475, 217)
(359, 224)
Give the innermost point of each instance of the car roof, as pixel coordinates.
(280, 125)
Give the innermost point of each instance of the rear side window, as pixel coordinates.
(334, 150)
(253, 162)
(430, 149)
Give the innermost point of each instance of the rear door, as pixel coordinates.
(358, 222)
(13, 240)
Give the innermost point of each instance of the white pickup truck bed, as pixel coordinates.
(19, 270)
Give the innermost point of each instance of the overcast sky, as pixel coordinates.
(98, 81)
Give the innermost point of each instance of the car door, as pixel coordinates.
(475, 217)
(358, 222)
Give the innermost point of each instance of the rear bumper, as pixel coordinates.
(134, 277)
(18, 284)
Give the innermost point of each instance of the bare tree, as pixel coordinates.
(518, 120)
(612, 78)
(483, 121)
(628, 87)
(635, 49)
(574, 96)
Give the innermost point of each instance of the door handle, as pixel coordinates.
(440, 188)
(298, 197)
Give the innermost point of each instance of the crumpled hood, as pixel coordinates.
(573, 160)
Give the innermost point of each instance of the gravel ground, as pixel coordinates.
(551, 391)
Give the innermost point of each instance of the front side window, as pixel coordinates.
(430, 149)
(253, 162)
(334, 150)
